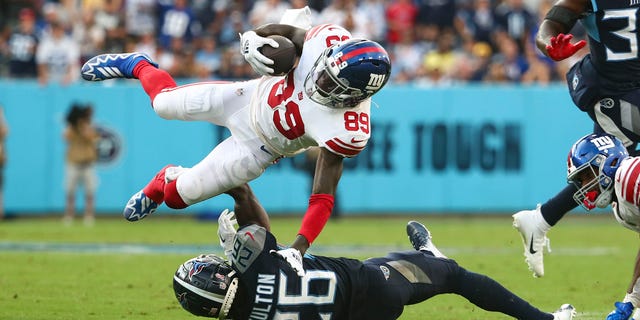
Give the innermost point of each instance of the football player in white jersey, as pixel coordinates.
(323, 101)
(600, 167)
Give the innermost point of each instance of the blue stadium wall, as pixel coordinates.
(469, 149)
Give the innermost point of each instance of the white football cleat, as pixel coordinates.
(566, 312)
(533, 229)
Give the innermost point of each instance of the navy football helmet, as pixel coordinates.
(347, 73)
(206, 286)
(591, 167)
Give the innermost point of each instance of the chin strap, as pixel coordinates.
(228, 299)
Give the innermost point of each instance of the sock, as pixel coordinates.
(489, 295)
(555, 208)
(172, 197)
(153, 80)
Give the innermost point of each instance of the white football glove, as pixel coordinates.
(293, 257)
(250, 42)
(227, 231)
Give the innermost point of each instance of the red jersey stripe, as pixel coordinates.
(315, 30)
(347, 145)
(339, 149)
(629, 182)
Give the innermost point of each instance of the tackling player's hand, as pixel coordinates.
(622, 311)
(293, 257)
(250, 42)
(227, 231)
(560, 46)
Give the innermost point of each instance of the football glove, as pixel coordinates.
(622, 312)
(227, 231)
(561, 47)
(293, 257)
(250, 42)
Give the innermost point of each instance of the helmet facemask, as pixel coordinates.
(591, 166)
(324, 87)
(594, 187)
(347, 73)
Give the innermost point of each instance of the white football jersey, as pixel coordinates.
(289, 122)
(627, 188)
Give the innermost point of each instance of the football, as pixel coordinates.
(284, 57)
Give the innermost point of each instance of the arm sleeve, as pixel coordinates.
(318, 212)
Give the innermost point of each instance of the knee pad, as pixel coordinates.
(190, 188)
(197, 102)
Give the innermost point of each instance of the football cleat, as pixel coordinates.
(420, 238)
(139, 206)
(566, 312)
(622, 312)
(532, 228)
(115, 65)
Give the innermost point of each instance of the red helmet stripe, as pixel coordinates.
(361, 51)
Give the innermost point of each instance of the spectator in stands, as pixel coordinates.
(57, 57)
(267, 11)
(477, 23)
(140, 17)
(4, 132)
(111, 18)
(208, 57)
(23, 43)
(177, 21)
(516, 21)
(81, 138)
(89, 35)
(400, 15)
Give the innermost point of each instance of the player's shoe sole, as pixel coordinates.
(139, 206)
(111, 66)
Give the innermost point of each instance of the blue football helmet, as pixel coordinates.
(591, 167)
(347, 73)
(206, 286)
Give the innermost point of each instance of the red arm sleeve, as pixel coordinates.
(318, 212)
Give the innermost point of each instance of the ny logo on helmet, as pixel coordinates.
(375, 81)
(603, 142)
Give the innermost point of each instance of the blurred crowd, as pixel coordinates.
(431, 42)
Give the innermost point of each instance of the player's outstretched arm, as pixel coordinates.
(248, 209)
(325, 181)
(552, 38)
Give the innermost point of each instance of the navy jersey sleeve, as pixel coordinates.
(273, 290)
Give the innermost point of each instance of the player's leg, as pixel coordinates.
(71, 186)
(228, 165)
(90, 182)
(533, 226)
(214, 102)
(412, 277)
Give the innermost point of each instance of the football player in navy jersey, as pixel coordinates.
(605, 84)
(257, 284)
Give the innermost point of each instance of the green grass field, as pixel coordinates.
(121, 270)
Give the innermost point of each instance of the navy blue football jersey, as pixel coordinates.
(613, 38)
(273, 290)
(333, 288)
